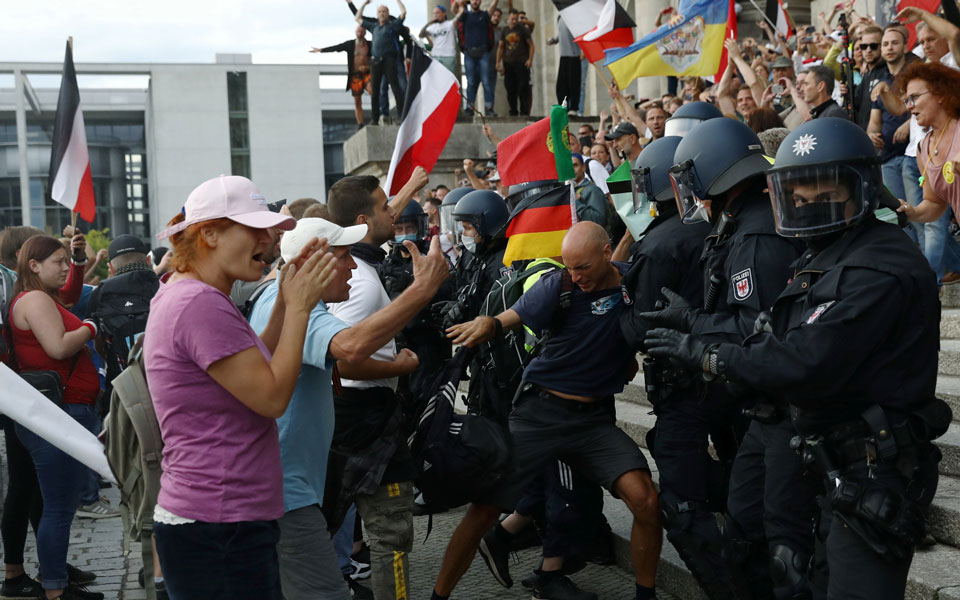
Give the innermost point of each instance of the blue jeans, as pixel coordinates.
(61, 478)
(90, 492)
(343, 540)
(480, 70)
(220, 560)
(894, 180)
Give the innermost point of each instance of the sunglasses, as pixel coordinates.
(869, 46)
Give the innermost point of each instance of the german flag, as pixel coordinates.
(532, 153)
(538, 224)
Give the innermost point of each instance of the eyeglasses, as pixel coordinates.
(910, 101)
(869, 46)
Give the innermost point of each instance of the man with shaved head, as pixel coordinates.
(565, 408)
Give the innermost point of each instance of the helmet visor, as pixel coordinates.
(680, 126)
(815, 200)
(691, 206)
(642, 187)
(415, 226)
(447, 223)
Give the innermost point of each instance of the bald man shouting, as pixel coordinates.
(565, 407)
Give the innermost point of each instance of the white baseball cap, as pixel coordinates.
(235, 198)
(293, 241)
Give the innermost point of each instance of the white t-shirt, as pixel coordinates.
(444, 38)
(367, 296)
(597, 173)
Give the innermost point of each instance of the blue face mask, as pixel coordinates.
(403, 237)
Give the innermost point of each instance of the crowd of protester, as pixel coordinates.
(312, 331)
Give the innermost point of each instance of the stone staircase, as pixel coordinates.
(935, 571)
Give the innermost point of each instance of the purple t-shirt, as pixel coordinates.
(221, 460)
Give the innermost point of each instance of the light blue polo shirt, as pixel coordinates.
(306, 428)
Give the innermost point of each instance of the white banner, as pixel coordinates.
(28, 407)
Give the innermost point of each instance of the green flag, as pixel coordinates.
(636, 210)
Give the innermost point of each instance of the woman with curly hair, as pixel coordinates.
(929, 92)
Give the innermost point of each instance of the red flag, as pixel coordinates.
(927, 5)
(71, 184)
(596, 25)
(536, 152)
(731, 33)
(429, 112)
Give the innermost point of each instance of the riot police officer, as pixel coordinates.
(853, 350)
(666, 256)
(718, 176)
(689, 116)
(422, 335)
(480, 216)
(448, 225)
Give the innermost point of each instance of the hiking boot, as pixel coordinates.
(97, 510)
(496, 553)
(559, 587)
(79, 576)
(20, 588)
(358, 591)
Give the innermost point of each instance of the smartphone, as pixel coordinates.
(810, 29)
(777, 89)
(807, 40)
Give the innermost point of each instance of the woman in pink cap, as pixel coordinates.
(218, 387)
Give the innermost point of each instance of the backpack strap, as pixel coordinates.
(257, 292)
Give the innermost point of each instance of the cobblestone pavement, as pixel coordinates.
(95, 544)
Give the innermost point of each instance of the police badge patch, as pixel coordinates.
(819, 311)
(742, 284)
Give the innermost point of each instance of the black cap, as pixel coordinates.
(124, 244)
(623, 128)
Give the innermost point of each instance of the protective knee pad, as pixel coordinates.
(789, 570)
(694, 533)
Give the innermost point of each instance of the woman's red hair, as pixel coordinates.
(942, 81)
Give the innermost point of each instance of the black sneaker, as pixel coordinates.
(496, 554)
(358, 591)
(79, 576)
(20, 588)
(77, 592)
(558, 587)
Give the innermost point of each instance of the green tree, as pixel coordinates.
(98, 239)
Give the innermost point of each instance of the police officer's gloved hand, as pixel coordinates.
(683, 349)
(679, 314)
(447, 313)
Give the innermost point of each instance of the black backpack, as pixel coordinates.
(459, 458)
(121, 306)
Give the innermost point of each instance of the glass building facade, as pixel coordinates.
(118, 168)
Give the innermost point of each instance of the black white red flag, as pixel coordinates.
(70, 182)
(429, 112)
(777, 14)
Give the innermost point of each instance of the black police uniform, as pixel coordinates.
(858, 328)
(476, 274)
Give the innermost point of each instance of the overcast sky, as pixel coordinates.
(274, 31)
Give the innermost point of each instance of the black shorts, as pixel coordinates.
(584, 435)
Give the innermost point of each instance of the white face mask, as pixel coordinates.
(470, 243)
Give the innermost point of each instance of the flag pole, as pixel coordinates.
(765, 17)
(603, 78)
(73, 213)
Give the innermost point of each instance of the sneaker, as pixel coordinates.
(161, 590)
(77, 592)
(559, 587)
(358, 591)
(489, 113)
(97, 510)
(950, 278)
(79, 576)
(360, 562)
(496, 554)
(20, 588)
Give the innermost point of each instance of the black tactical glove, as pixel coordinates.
(447, 313)
(683, 349)
(678, 314)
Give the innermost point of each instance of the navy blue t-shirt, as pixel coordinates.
(587, 354)
(891, 123)
(476, 29)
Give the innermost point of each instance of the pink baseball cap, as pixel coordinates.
(233, 197)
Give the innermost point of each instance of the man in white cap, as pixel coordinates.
(308, 565)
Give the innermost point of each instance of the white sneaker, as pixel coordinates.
(97, 510)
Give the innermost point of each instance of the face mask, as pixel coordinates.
(403, 237)
(470, 243)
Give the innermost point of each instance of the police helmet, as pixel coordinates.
(520, 191)
(689, 116)
(826, 177)
(447, 223)
(411, 224)
(715, 156)
(485, 210)
(651, 173)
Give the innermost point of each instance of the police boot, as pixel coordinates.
(789, 570)
(552, 585)
(694, 533)
(745, 562)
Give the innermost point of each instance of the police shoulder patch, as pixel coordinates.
(742, 284)
(819, 311)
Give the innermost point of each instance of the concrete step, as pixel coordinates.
(950, 296)
(950, 324)
(933, 573)
(949, 357)
(636, 420)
